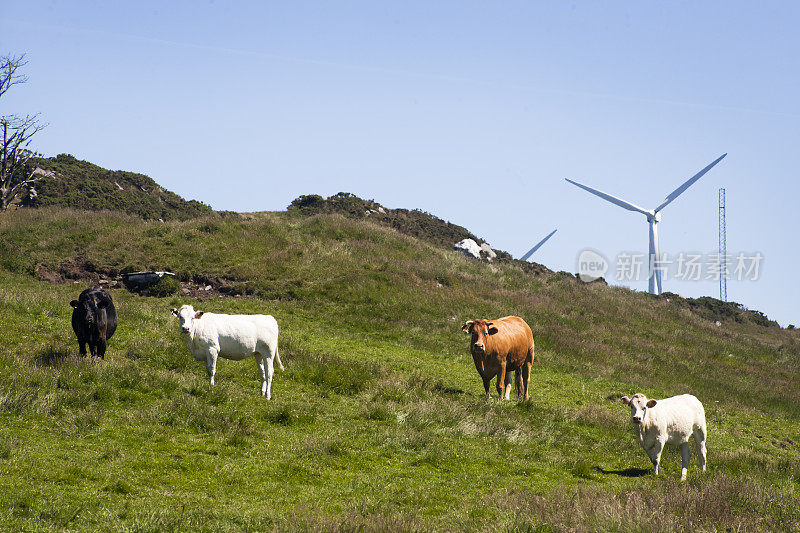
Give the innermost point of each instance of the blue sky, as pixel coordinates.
(473, 111)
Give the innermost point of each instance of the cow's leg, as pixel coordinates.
(655, 455)
(684, 459)
(211, 363)
(101, 347)
(507, 387)
(700, 445)
(268, 361)
(480, 367)
(525, 371)
(82, 346)
(92, 341)
(262, 372)
(501, 380)
(518, 382)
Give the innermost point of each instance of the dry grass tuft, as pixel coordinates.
(703, 504)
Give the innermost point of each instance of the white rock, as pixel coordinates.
(469, 248)
(490, 254)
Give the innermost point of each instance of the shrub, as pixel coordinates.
(166, 286)
(82, 185)
(415, 222)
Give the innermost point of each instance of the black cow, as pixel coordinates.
(94, 320)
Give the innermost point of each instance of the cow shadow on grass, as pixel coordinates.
(441, 388)
(51, 356)
(628, 472)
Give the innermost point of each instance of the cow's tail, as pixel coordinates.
(532, 348)
(278, 358)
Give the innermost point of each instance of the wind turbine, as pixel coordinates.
(653, 218)
(539, 245)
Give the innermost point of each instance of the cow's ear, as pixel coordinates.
(174, 311)
(74, 303)
(198, 314)
(625, 400)
(650, 404)
(492, 330)
(466, 327)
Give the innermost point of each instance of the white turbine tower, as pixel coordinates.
(537, 246)
(653, 218)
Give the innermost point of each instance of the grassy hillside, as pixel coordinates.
(379, 421)
(82, 185)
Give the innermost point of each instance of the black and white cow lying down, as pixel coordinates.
(235, 337)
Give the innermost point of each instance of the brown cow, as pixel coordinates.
(499, 347)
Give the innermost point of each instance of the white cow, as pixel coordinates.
(669, 421)
(234, 337)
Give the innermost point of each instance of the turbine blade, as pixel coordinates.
(539, 245)
(613, 199)
(677, 192)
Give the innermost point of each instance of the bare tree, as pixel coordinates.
(16, 176)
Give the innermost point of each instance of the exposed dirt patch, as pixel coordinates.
(81, 271)
(204, 287)
(77, 271)
(43, 273)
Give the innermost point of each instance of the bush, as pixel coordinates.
(416, 223)
(308, 203)
(82, 185)
(166, 286)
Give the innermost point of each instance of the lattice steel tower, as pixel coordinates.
(723, 250)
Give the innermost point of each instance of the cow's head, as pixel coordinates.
(185, 316)
(639, 405)
(89, 307)
(480, 329)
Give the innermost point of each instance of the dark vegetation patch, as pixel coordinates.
(166, 286)
(289, 415)
(82, 185)
(717, 310)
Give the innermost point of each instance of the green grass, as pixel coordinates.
(379, 420)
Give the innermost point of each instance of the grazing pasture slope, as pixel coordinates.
(378, 421)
